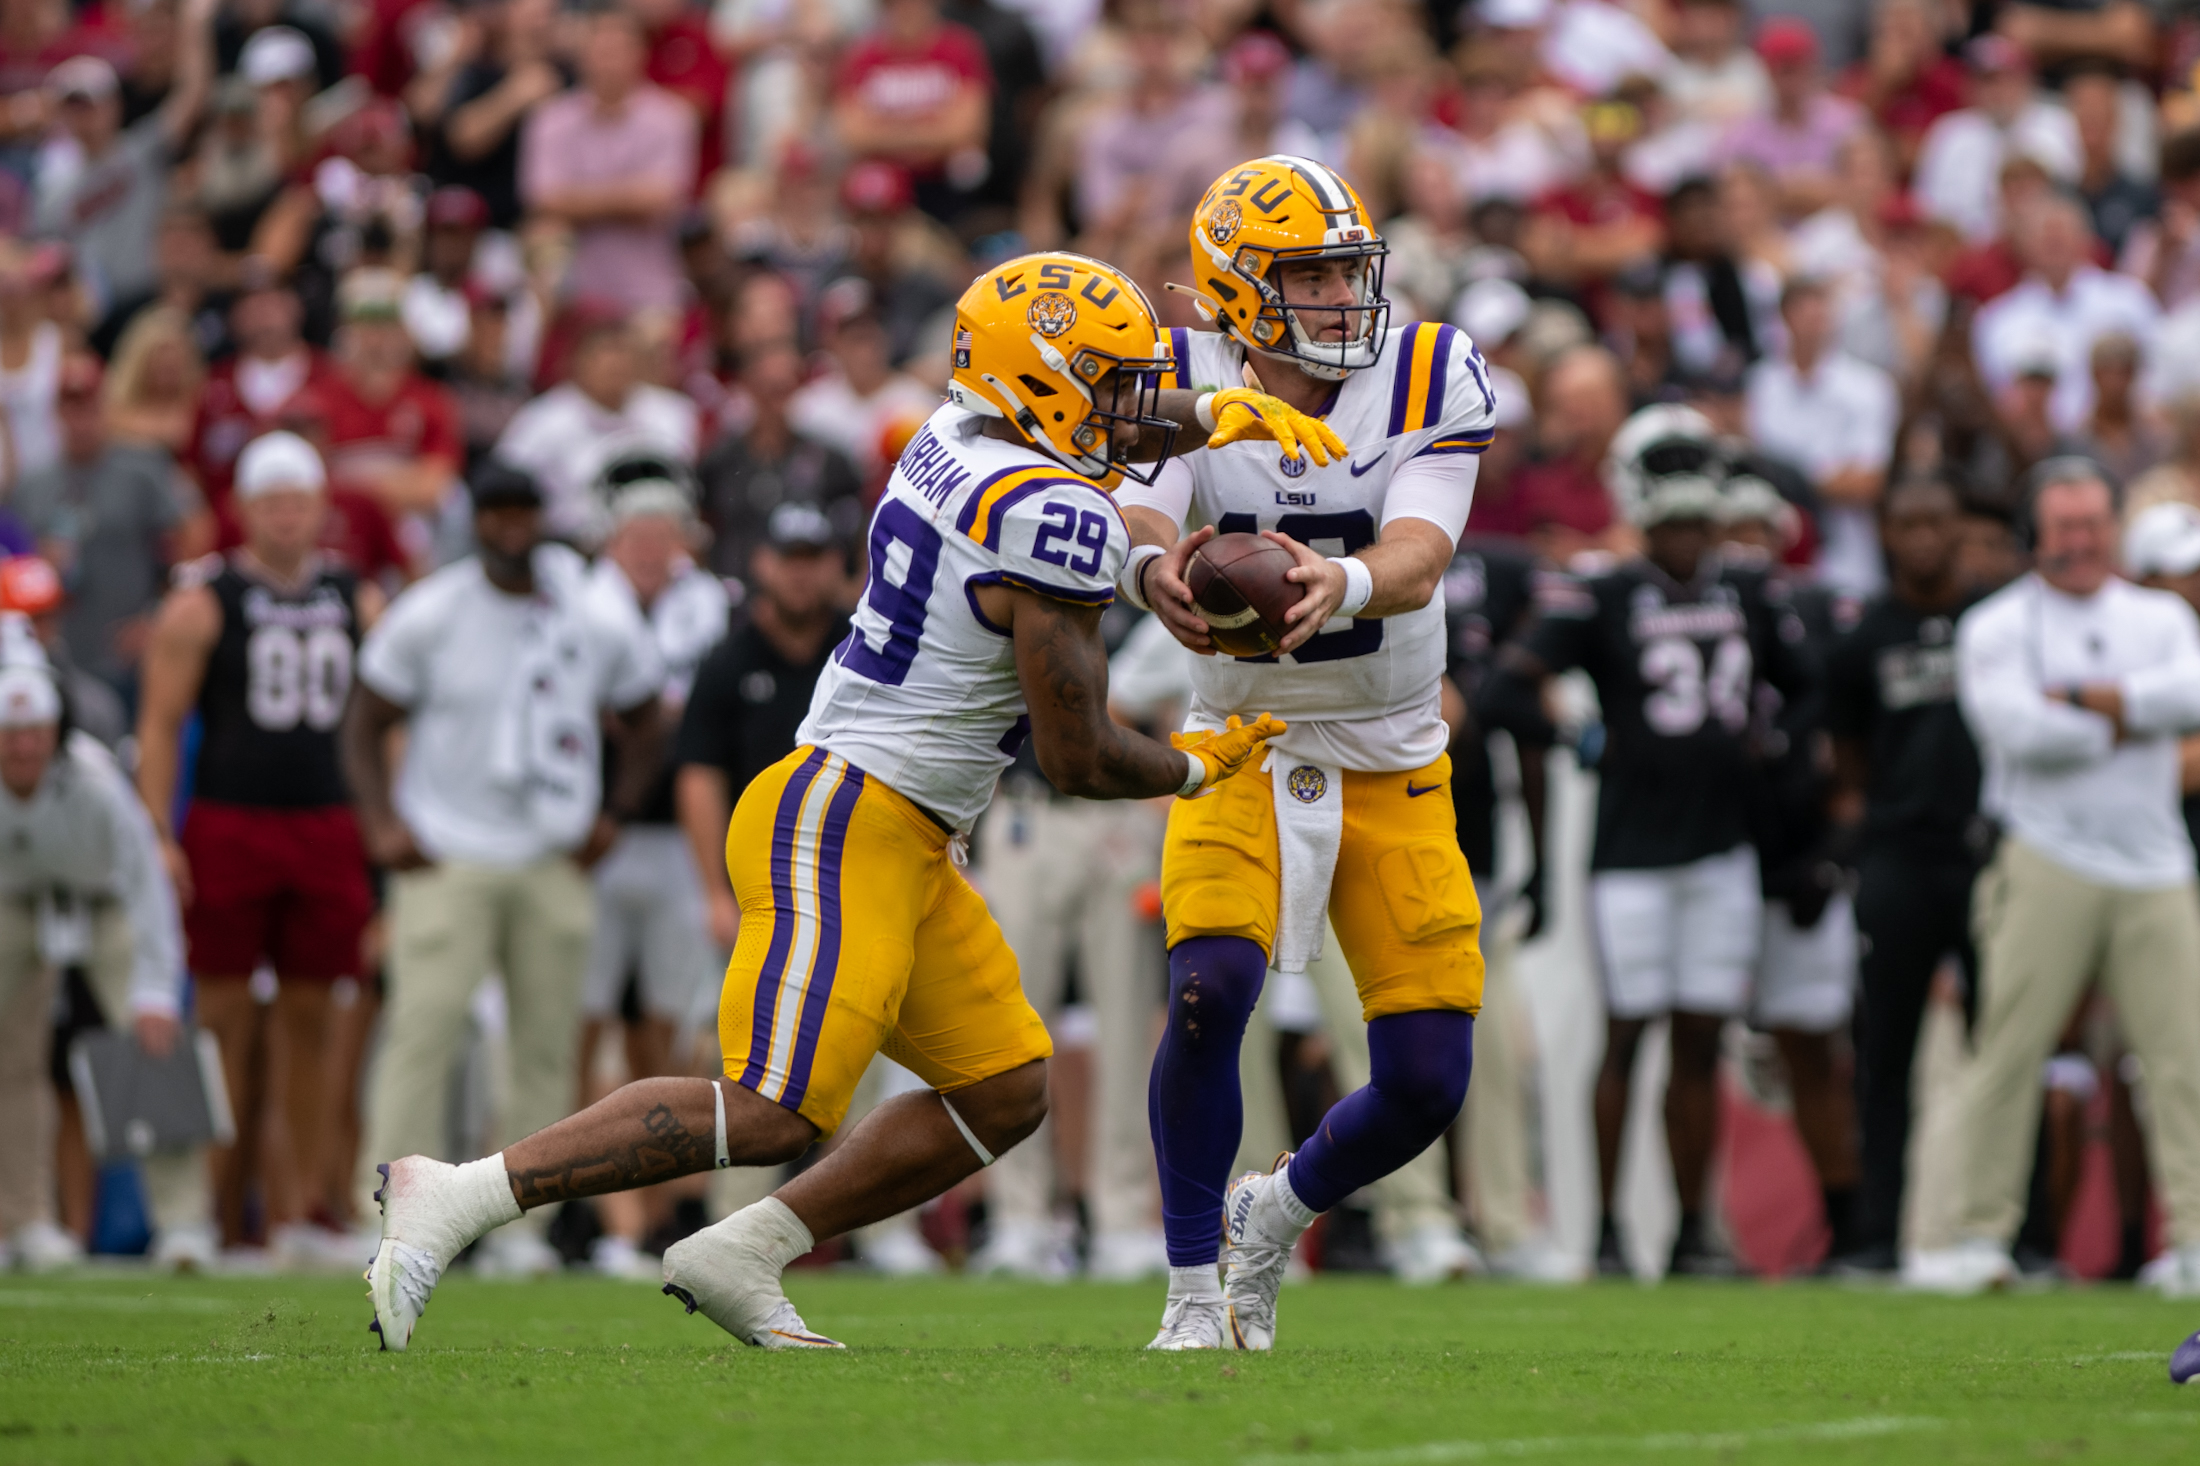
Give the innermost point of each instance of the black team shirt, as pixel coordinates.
(1488, 592)
(1891, 685)
(746, 704)
(1677, 669)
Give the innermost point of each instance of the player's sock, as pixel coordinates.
(1192, 1100)
(1201, 1283)
(1418, 1065)
(482, 1198)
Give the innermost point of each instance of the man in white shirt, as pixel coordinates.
(1834, 417)
(1958, 176)
(2077, 685)
(81, 884)
(500, 666)
(2064, 298)
(565, 437)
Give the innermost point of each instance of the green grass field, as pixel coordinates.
(112, 1368)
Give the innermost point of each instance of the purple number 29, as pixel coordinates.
(903, 606)
(1090, 530)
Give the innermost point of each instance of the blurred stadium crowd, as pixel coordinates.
(679, 277)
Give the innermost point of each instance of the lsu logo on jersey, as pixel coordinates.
(1307, 784)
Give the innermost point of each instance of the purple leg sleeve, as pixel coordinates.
(1418, 1065)
(1192, 1100)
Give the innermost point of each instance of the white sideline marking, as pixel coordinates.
(115, 1302)
(1860, 1428)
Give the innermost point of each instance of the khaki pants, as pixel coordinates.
(1059, 876)
(451, 925)
(176, 1187)
(2043, 934)
(1496, 1118)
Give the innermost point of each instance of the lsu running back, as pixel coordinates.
(991, 553)
(1351, 816)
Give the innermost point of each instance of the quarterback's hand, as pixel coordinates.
(1325, 588)
(1171, 598)
(1225, 753)
(1244, 415)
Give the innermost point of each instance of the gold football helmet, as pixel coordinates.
(1064, 347)
(1282, 208)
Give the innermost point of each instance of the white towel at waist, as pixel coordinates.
(1309, 828)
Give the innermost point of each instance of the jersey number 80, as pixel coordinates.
(297, 677)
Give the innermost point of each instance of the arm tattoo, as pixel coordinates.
(665, 1150)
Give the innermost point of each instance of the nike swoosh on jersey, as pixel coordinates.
(1360, 468)
(1413, 793)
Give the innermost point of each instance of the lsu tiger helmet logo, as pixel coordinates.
(1052, 314)
(1063, 346)
(1277, 210)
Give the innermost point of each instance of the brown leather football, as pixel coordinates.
(1236, 581)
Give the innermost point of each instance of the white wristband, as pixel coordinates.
(1359, 584)
(1126, 582)
(1203, 408)
(1193, 779)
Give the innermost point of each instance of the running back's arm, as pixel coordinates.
(1063, 666)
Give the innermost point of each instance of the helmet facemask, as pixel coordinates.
(1118, 392)
(1293, 331)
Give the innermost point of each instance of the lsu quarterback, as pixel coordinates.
(993, 551)
(1350, 815)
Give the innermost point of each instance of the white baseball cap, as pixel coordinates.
(2163, 539)
(28, 697)
(276, 53)
(1513, 15)
(278, 461)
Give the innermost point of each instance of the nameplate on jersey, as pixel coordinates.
(927, 467)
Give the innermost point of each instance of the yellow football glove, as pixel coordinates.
(1242, 414)
(1222, 754)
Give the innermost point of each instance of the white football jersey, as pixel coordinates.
(1363, 692)
(923, 693)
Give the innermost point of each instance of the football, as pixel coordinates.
(1236, 581)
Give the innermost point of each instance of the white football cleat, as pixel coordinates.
(618, 1257)
(1434, 1253)
(1257, 1239)
(192, 1249)
(430, 1212)
(1033, 1251)
(1193, 1323)
(40, 1247)
(1127, 1257)
(1975, 1265)
(2175, 1274)
(726, 1273)
(517, 1254)
(898, 1250)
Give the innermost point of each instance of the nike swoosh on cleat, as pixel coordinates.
(1360, 468)
(1413, 793)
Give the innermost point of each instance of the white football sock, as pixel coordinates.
(482, 1196)
(1196, 1283)
(1292, 1210)
(778, 1229)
